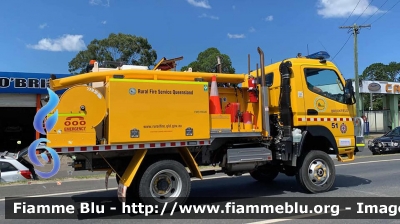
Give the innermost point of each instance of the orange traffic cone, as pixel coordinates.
(215, 104)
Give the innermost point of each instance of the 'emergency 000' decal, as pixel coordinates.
(74, 124)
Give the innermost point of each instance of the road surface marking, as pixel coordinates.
(64, 193)
(270, 221)
(95, 190)
(289, 218)
(376, 156)
(219, 177)
(372, 161)
(367, 192)
(369, 156)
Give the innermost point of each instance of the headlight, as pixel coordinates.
(370, 143)
(395, 144)
(380, 144)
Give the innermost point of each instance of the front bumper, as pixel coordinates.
(376, 149)
(382, 147)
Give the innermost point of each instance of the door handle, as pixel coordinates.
(312, 112)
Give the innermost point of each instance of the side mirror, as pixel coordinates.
(349, 93)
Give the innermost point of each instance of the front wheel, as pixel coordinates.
(164, 181)
(316, 173)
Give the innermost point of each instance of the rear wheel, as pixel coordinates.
(164, 181)
(316, 173)
(265, 174)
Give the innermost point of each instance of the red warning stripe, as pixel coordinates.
(302, 119)
(130, 146)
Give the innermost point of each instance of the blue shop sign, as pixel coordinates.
(31, 83)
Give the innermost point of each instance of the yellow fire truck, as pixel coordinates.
(154, 128)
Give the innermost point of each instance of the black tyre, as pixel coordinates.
(316, 172)
(265, 174)
(164, 181)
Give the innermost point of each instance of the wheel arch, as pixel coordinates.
(314, 137)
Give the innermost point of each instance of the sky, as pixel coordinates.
(43, 36)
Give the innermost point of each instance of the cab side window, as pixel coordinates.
(269, 79)
(325, 82)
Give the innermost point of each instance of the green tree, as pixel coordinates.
(207, 62)
(379, 72)
(119, 47)
(382, 72)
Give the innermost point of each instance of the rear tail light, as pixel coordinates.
(26, 173)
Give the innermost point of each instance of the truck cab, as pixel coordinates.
(320, 104)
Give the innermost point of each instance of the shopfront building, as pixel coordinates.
(21, 97)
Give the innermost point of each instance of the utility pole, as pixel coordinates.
(355, 29)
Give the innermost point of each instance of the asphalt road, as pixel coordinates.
(368, 176)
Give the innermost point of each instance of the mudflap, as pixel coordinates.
(108, 173)
(130, 173)
(122, 192)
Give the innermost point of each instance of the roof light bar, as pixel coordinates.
(319, 55)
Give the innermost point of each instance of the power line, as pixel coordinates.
(322, 45)
(386, 12)
(351, 12)
(376, 11)
(364, 10)
(342, 47)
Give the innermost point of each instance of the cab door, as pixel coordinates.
(325, 104)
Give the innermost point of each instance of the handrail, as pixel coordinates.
(103, 76)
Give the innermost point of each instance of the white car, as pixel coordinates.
(13, 170)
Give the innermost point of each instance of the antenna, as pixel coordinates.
(248, 64)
